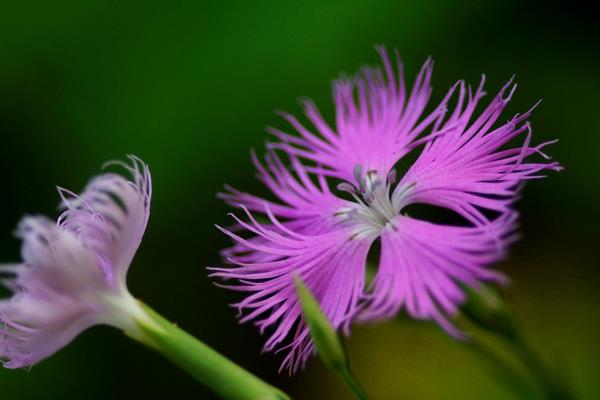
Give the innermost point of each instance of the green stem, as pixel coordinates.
(506, 374)
(486, 309)
(552, 386)
(218, 373)
(352, 383)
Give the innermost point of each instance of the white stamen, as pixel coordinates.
(374, 208)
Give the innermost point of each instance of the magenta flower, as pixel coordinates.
(466, 165)
(73, 272)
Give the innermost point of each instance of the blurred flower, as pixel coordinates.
(325, 237)
(73, 272)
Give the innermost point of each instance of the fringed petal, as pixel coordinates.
(423, 264)
(56, 292)
(377, 122)
(299, 195)
(111, 215)
(468, 168)
(331, 265)
(307, 205)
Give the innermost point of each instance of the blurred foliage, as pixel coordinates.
(189, 87)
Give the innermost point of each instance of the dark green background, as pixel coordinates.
(189, 87)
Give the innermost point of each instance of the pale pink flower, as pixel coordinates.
(73, 273)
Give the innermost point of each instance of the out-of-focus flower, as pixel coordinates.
(466, 165)
(73, 273)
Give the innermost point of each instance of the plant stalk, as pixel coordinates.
(215, 371)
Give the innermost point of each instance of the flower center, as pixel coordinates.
(374, 208)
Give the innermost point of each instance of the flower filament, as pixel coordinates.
(373, 208)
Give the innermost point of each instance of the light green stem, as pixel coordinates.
(218, 373)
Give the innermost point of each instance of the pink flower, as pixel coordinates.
(73, 273)
(466, 165)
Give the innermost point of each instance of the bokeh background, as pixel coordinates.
(189, 87)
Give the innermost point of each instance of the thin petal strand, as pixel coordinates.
(331, 265)
(423, 264)
(467, 169)
(111, 215)
(377, 122)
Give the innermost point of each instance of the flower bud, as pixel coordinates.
(486, 308)
(326, 340)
